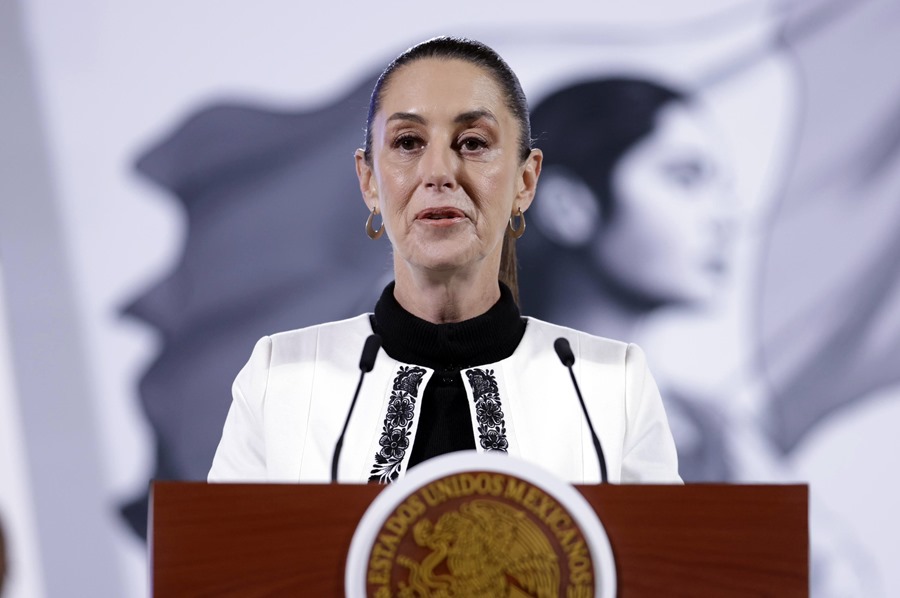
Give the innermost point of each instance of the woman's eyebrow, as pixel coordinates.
(406, 116)
(466, 117)
(473, 115)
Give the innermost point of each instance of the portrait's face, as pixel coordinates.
(666, 240)
(445, 172)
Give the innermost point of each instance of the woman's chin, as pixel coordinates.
(442, 254)
(444, 263)
(699, 296)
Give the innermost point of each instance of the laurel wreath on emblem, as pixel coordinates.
(489, 549)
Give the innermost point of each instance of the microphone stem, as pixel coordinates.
(603, 477)
(340, 442)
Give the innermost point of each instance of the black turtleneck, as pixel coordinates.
(445, 424)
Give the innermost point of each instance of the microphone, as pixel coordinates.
(366, 363)
(564, 352)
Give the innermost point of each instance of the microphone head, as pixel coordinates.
(564, 351)
(369, 353)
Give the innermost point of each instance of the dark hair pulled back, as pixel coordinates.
(587, 127)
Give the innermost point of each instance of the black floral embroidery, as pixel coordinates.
(491, 427)
(394, 445)
(494, 441)
(490, 413)
(397, 425)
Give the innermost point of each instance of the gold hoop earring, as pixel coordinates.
(373, 234)
(514, 232)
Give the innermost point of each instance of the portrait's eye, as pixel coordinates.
(686, 173)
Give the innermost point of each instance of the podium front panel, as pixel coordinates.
(292, 539)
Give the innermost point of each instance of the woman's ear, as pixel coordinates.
(367, 185)
(529, 173)
(565, 209)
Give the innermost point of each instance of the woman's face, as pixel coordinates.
(666, 240)
(445, 171)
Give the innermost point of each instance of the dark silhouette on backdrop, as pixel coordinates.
(275, 241)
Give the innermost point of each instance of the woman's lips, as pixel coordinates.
(440, 216)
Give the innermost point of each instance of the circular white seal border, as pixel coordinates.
(461, 462)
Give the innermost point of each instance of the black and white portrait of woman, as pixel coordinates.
(634, 214)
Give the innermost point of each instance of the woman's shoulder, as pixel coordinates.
(337, 342)
(341, 329)
(542, 332)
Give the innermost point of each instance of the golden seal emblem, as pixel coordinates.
(486, 532)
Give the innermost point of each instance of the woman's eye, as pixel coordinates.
(408, 143)
(472, 144)
(686, 174)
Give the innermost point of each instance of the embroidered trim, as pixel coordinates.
(397, 425)
(491, 427)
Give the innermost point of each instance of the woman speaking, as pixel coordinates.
(449, 171)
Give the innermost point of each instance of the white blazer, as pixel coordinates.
(292, 396)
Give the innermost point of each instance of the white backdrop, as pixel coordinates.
(109, 79)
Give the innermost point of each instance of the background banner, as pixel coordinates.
(721, 186)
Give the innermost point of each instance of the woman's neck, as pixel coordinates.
(582, 301)
(443, 297)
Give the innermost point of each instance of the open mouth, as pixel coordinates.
(435, 214)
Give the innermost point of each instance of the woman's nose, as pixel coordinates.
(724, 219)
(439, 166)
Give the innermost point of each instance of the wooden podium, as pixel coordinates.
(292, 540)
